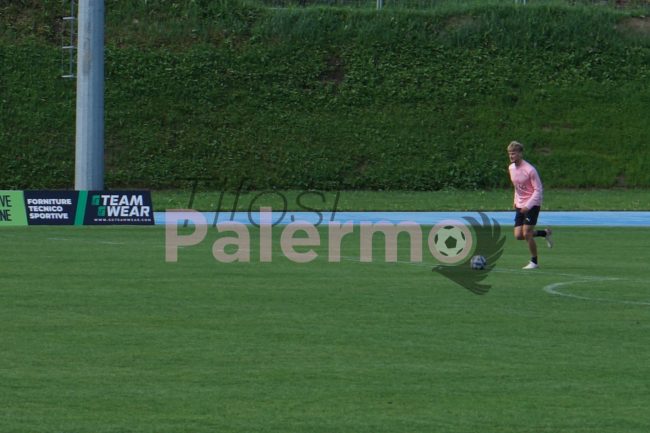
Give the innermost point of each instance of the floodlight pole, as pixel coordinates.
(89, 147)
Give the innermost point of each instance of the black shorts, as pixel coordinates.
(529, 218)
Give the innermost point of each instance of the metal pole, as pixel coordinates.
(89, 152)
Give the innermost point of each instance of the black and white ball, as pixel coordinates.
(478, 263)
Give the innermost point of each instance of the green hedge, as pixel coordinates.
(335, 98)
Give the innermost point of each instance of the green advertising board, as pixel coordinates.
(12, 208)
(27, 208)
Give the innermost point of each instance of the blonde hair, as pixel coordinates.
(515, 146)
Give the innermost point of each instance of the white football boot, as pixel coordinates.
(549, 238)
(531, 265)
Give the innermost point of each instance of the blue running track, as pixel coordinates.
(546, 218)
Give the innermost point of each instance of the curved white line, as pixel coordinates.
(552, 290)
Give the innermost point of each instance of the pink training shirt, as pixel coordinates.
(528, 185)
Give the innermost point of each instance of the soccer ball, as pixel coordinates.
(450, 241)
(478, 263)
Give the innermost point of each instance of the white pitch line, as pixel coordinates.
(91, 241)
(552, 290)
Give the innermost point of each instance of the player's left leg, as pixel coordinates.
(548, 235)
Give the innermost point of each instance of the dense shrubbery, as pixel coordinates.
(334, 98)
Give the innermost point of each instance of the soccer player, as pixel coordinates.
(527, 203)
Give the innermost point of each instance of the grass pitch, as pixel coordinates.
(100, 334)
